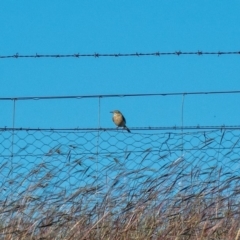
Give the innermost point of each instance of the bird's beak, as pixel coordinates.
(111, 112)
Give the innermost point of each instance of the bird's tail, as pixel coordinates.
(127, 129)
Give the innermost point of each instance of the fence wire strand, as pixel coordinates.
(136, 54)
(146, 182)
(118, 95)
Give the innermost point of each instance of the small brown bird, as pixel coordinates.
(119, 119)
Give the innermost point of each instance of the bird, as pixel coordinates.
(119, 119)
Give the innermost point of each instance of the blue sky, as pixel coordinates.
(67, 27)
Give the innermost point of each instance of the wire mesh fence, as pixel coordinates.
(93, 184)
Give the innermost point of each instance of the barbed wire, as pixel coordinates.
(118, 95)
(136, 54)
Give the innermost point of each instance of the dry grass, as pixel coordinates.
(155, 208)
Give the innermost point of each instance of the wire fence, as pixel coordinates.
(99, 96)
(136, 54)
(68, 183)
